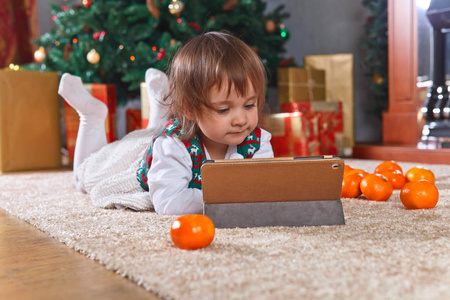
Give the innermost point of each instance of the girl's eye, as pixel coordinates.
(248, 106)
(222, 111)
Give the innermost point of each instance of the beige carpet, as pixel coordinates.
(383, 252)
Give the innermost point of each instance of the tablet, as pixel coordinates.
(290, 191)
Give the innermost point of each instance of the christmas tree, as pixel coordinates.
(114, 41)
(375, 63)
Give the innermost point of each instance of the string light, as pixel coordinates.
(132, 58)
(120, 47)
(154, 48)
(14, 67)
(54, 18)
(75, 40)
(283, 31)
(179, 20)
(57, 43)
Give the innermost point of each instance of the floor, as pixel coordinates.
(35, 266)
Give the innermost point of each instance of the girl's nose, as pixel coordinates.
(239, 118)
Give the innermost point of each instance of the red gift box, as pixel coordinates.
(293, 134)
(330, 122)
(134, 119)
(103, 92)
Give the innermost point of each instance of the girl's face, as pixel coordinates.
(231, 118)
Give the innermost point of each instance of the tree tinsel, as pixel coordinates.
(375, 63)
(134, 35)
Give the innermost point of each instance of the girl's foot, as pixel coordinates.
(72, 90)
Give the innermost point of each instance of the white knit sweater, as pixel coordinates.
(109, 175)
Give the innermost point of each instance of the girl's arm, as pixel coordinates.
(169, 177)
(265, 150)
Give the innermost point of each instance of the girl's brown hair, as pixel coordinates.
(214, 58)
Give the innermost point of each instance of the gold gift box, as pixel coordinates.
(30, 136)
(300, 84)
(339, 85)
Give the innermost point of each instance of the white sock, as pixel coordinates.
(72, 90)
(91, 132)
(157, 88)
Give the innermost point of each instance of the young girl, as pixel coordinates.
(209, 109)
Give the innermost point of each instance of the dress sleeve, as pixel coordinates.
(169, 177)
(265, 150)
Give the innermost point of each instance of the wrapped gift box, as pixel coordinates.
(103, 92)
(30, 135)
(145, 106)
(299, 84)
(330, 119)
(339, 86)
(134, 121)
(293, 134)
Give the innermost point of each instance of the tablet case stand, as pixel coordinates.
(273, 192)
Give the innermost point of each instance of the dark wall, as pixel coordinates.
(333, 26)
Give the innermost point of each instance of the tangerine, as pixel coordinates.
(376, 187)
(419, 194)
(351, 185)
(419, 173)
(361, 171)
(389, 166)
(396, 178)
(192, 232)
(347, 168)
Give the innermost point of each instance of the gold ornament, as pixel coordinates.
(176, 7)
(377, 78)
(271, 26)
(153, 9)
(93, 57)
(39, 55)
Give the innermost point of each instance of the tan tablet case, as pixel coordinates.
(303, 191)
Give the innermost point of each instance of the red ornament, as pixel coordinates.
(99, 35)
(64, 7)
(161, 54)
(370, 19)
(286, 62)
(86, 3)
(194, 25)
